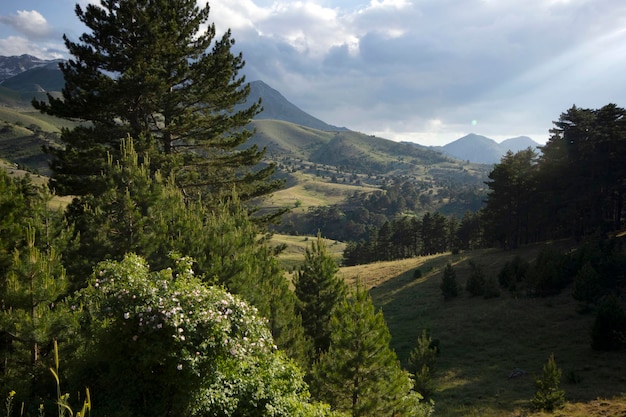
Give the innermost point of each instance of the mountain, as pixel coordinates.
(21, 76)
(43, 78)
(352, 151)
(25, 77)
(483, 150)
(518, 144)
(277, 107)
(282, 128)
(10, 66)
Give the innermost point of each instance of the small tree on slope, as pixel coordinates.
(319, 290)
(360, 374)
(548, 396)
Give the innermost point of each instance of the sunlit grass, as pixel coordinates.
(293, 255)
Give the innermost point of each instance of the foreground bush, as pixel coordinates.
(165, 344)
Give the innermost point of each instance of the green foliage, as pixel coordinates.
(8, 403)
(422, 361)
(576, 187)
(360, 374)
(492, 289)
(508, 205)
(155, 70)
(25, 205)
(63, 405)
(404, 238)
(183, 348)
(143, 213)
(64, 408)
(449, 286)
(587, 287)
(609, 328)
(513, 273)
(548, 395)
(318, 289)
(32, 315)
(476, 282)
(549, 274)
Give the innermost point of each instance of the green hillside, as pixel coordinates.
(350, 151)
(284, 139)
(23, 134)
(482, 341)
(30, 119)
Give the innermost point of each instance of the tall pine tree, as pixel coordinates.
(319, 290)
(149, 69)
(360, 374)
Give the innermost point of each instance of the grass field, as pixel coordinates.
(482, 341)
(40, 180)
(30, 118)
(293, 255)
(310, 191)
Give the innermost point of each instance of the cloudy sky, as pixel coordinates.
(428, 71)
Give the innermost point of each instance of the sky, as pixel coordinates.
(426, 71)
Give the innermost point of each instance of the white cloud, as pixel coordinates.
(396, 4)
(28, 22)
(17, 45)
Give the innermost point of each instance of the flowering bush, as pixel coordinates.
(183, 348)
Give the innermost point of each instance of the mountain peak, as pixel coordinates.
(10, 66)
(483, 150)
(277, 107)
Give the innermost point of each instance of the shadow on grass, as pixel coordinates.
(484, 340)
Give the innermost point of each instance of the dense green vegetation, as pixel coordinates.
(158, 275)
(135, 280)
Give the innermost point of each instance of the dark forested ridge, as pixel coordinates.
(575, 188)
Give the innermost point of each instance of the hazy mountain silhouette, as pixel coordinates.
(483, 150)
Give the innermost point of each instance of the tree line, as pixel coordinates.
(365, 212)
(576, 188)
(410, 236)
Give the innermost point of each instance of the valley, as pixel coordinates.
(491, 349)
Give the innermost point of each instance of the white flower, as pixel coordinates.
(179, 366)
(126, 315)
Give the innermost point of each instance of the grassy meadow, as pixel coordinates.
(483, 340)
(295, 246)
(307, 190)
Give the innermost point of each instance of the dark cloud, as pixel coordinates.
(418, 69)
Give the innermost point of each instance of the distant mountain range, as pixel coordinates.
(10, 66)
(24, 77)
(483, 150)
